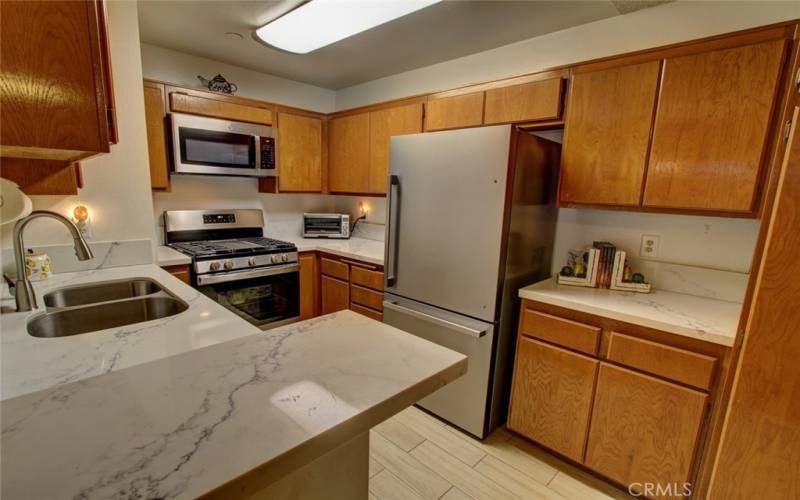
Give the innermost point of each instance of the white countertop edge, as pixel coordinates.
(549, 296)
(166, 256)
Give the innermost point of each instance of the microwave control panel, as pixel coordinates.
(267, 152)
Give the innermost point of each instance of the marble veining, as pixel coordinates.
(702, 318)
(31, 364)
(183, 425)
(106, 254)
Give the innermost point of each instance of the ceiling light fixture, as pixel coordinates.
(319, 23)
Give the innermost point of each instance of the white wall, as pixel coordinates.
(283, 212)
(669, 23)
(180, 68)
(117, 190)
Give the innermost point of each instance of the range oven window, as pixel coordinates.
(262, 300)
(220, 149)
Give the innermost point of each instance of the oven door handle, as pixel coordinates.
(210, 279)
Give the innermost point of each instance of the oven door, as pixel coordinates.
(210, 146)
(266, 297)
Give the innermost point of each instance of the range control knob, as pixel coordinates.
(276, 258)
(214, 266)
(284, 258)
(228, 264)
(251, 261)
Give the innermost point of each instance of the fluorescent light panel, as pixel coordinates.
(319, 23)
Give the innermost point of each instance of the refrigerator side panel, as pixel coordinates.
(447, 202)
(529, 250)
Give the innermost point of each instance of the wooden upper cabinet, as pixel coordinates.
(606, 135)
(383, 124)
(55, 91)
(465, 110)
(155, 110)
(299, 153)
(216, 108)
(711, 128)
(551, 396)
(643, 429)
(348, 154)
(527, 102)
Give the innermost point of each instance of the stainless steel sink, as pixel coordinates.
(92, 293)
(99, 306)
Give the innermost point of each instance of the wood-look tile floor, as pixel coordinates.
(414, 456)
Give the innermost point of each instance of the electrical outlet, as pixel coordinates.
(650, 244)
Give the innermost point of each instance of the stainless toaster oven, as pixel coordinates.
(326, 226)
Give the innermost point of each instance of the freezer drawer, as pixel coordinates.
(462, 402)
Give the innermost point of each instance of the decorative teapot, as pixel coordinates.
(218, 84)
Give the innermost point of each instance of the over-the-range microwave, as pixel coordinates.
(211, 146)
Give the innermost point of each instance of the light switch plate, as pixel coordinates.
(650, 245)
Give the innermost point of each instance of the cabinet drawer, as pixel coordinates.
(366, 297)
(366, 278)
(564, 332)
(184, 103)
(366, 311)
(334, 268)
(666, 361)
(527, 102)
(551, 396)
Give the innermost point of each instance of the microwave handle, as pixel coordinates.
(392, 204)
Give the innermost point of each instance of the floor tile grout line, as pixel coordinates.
(480, 474)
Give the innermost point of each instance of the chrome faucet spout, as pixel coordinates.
(23, 291)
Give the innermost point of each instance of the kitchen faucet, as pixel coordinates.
(23, 290)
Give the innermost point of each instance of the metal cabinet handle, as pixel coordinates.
(472, 332)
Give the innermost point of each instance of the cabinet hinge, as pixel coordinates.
(797, 79)
(787, 130)
(740, 340)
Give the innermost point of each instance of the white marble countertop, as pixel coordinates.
(182, 426)
(702, 318)
(31, 364)
(166, 256)
(363, 249)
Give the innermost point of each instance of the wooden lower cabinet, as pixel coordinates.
(180, 271)
(644, 430)
(335, 294)
(308, 285)
(551, 397)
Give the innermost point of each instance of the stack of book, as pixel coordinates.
(604, 268)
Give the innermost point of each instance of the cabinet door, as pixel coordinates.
(383, 124)
(155, 109)
(606, 134)
(464, 110)
(643, 429)
(215, 108)
(348, 154)
(711, 128)
(52, 90)
(551, 396)
(335, 294)
(308, 285)
(299, 153)
(527, 102)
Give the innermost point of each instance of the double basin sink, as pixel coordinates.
(98, 306)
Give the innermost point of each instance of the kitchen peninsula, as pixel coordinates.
(204, 403)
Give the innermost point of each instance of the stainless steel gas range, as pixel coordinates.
(233, 263)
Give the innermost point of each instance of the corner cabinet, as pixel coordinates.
(299, 153)
(155, 115)
(629, 406)
(683, 129)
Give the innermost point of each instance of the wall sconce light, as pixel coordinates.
(80, 216)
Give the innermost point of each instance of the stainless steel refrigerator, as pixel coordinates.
(470, 219)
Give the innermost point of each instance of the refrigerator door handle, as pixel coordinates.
(393, 199)
(472, 332)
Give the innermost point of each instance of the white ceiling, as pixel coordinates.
(445, 31)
